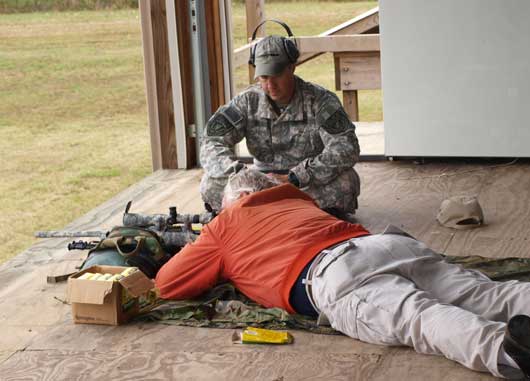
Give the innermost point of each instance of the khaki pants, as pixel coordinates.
(391, 289)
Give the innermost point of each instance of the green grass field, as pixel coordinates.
(73, 115)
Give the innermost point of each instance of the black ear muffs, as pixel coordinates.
(289, 45)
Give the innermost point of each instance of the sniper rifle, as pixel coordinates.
(174, 230)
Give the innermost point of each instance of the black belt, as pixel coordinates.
(298, 296)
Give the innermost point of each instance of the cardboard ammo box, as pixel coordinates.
(109, 302)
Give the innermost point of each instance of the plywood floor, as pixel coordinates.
(39, 342)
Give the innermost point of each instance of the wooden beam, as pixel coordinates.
(361, 24)
(368, 22)
(242, 53)
(357, 25)
(345, 43)
(320, 44)
(158, 82)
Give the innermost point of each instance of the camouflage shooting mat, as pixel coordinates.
(225, 307)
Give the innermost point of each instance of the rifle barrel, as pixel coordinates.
(67, 234)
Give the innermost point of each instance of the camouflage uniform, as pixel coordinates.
(312, 137)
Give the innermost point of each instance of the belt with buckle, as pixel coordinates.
(301, 297)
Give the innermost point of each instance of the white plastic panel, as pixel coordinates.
(456, 77)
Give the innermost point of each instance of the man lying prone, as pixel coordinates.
(278, 248)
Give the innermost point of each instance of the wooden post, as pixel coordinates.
(356, 71)
(150, 83)
(255, 13)
(158, 84)
(351, 104)
(184, 47)
(215, 54)
(176, 82)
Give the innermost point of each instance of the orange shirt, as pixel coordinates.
(260, 244)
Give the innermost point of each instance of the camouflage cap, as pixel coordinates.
(270, 56)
